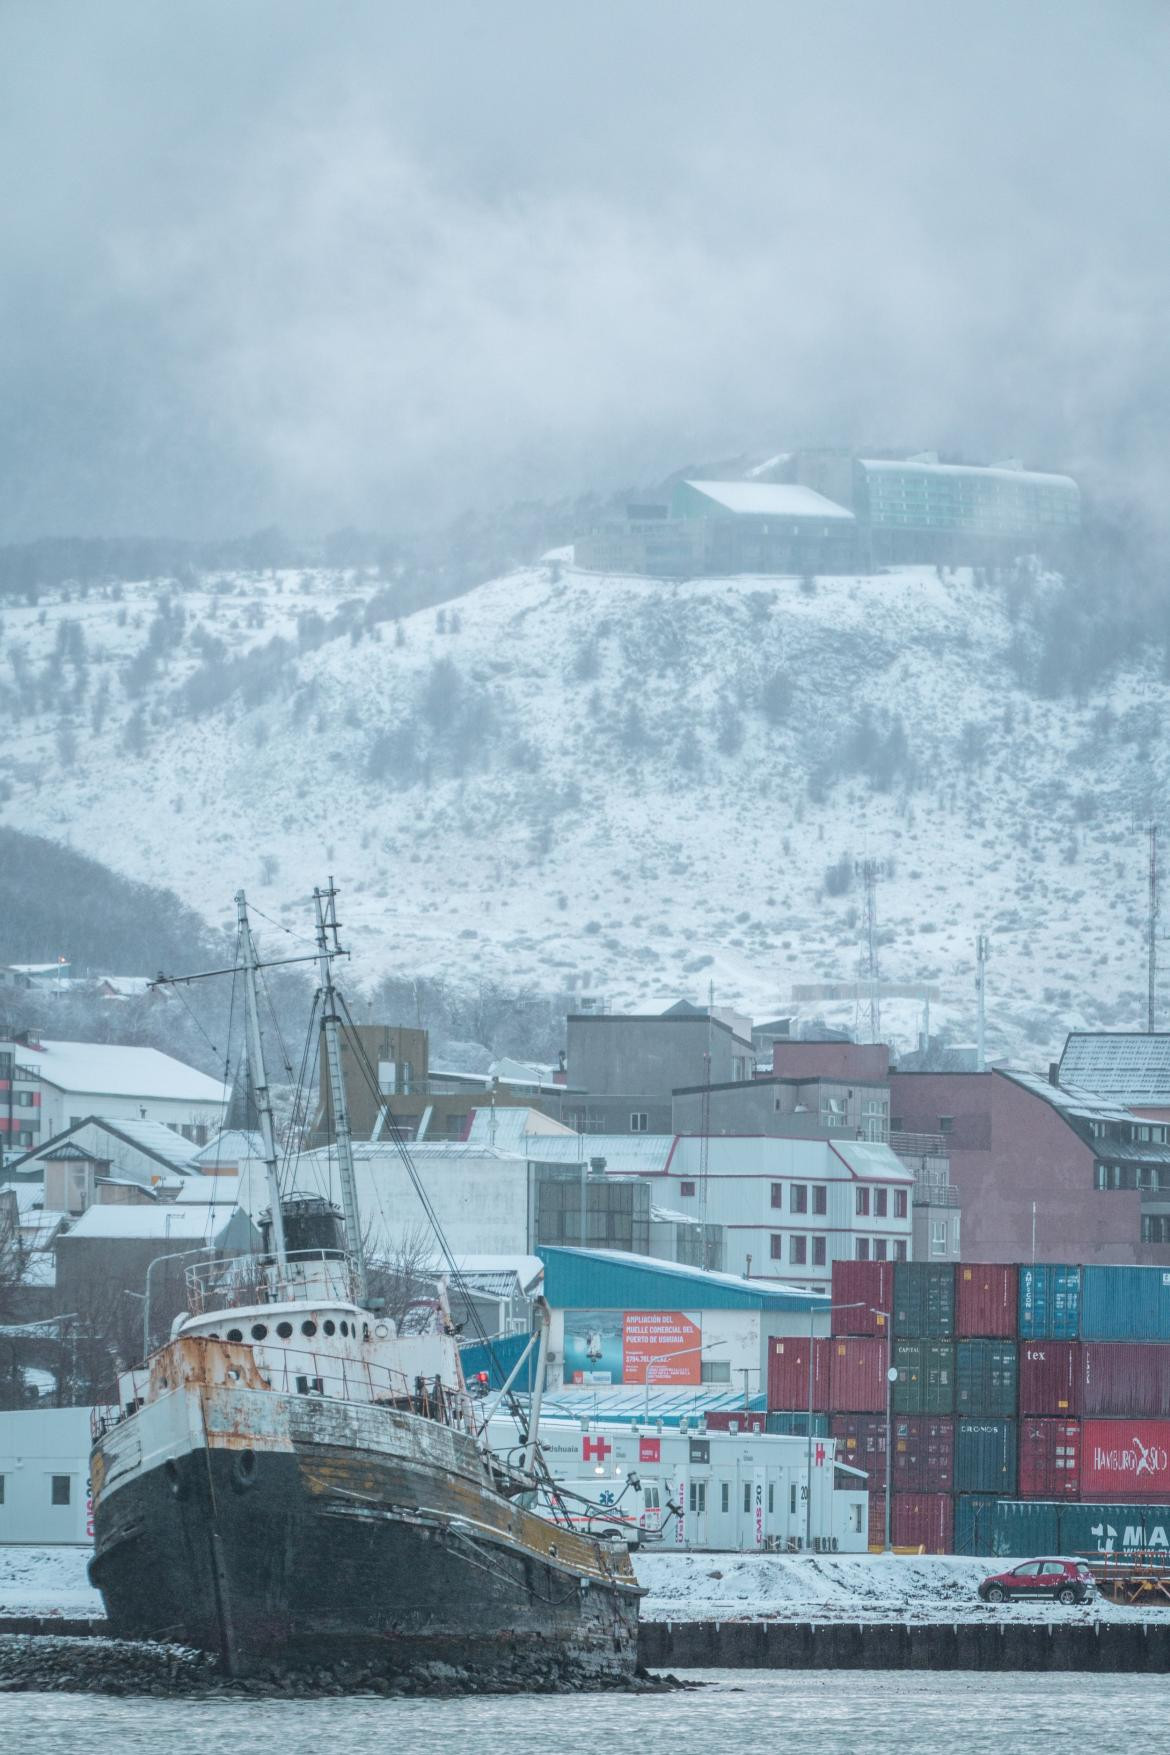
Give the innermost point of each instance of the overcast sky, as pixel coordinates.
(320, 264)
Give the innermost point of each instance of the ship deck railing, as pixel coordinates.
(255, 1279)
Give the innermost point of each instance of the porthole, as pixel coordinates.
(259, 1331)
(284, 1330)
(345, 1328)
(382, 1332)
(244, 1470)
(328, 1325)
(308, 1328)
(365, 1331)
(214, 1336)
(235, 1334)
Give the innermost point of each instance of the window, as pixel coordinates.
(24, 1137)
(798, 1251)
(862, 1250)
(879, 1249)
(880, 1202)
(725, 1496)
(747, 1495)
(820, 1200)
(900, 1249)
(698, 1496)
(61, 1489)
(650, 1498)
(771, 1497)
(798, 1198)
(638, 1121)
(1, 1489)
(818, 1244)
(938, 1237)
(901, 1202)
(24, 1099)
(777, 1194)
(777, 1246)
(792, 1500)
(946, 1123)
(75, 1120)
(715, 1371)
(861, 1202)
(686, 1188)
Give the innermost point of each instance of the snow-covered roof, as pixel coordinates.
(526, 1270)
(1071, 1100)
(514, 1128)
(625, 1154)
(867, 1159)
(780, 499)
(696, 1275)
(620, 1402)
(1125, 1066)
(216, 1190)
(230, 1147)
(28, 1194)
(189, 1222)
(978, 469)
(106, 1069)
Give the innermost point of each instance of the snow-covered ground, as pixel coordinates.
(615, 786)
(682, 1587)
(831, 1587)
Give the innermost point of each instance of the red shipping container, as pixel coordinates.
(866, 1287)
(1127, 1460)
(1050, 1459)
(924, 1455)
(788, 1375)
(857, 1374)
(861, 1442)
(877, 1520)
(1050, 1378)
(923, 1520)
(986, 1300)
(1125, 1378)
(741, 1418)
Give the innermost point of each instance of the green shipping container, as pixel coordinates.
(925, 1383)
(985, 1457)
(924, 1300)
(1006, 1529)
(987, 1378)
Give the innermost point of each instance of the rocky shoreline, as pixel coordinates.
(49, 1663)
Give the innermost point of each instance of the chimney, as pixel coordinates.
(1054, 1072)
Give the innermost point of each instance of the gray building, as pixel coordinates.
(630, 1066)
(785, 1108)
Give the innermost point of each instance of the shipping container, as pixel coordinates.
(1050, 1378)
(1049, 1459)
(857, 1374)
(1125, 1304)
(861, 1442)
(1125, 1530)
(788, 1385)
(1005, 1529)
(1125, 1459)
(986, 1378)
(737, 1420)
(794, 1425)
(1123, 1379)
(923, 1520)
(924, 1300)
(1049, 1302)
(986, 1300)
(861, 1291)
(985, 1457)
(924, 1454)
(925, 1383)
(877, 1521)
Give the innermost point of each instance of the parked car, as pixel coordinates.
(1068, 1581)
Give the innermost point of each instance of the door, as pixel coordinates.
(1024, 1581)
(1053, 1574)
(697, 1514)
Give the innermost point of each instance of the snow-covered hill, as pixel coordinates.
(610, 785)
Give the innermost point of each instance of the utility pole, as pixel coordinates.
(982, 950)
(325, 902)
(869, 870)
(1153, 928)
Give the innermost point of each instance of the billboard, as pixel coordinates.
(1125, 1459)
(656, 1347)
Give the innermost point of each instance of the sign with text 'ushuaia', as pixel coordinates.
(1125, 1460)
(660, 1346)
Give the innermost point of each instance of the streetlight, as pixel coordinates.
(175, 1255)
(891, 1374)
(661, 1359)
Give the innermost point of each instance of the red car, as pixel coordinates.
(1068, 1581)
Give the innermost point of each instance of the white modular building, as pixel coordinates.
(44, 1476)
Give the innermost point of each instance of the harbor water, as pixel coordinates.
(879, 1712)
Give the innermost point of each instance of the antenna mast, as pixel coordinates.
(982, 948)
(869, 870)
(326, 905)
(260, 1078)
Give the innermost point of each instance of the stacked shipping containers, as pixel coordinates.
(1033, 1401)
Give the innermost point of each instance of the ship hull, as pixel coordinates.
(299, 1551)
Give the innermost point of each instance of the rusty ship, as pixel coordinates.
(294, 1482)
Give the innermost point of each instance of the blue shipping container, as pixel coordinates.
(985, 1456)
(1005, 1528)
(1125, 1304)
(1115, 1529)
(1050, 1302)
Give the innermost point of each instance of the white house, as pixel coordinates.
(46, 1087)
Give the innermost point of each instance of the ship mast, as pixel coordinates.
(259, 1079)
(326, 905)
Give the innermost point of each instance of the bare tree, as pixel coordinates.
(404, 1272)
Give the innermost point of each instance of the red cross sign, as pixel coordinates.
(594, 1449)
(820, 1455)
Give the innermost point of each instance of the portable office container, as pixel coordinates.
(1123, 1530)
(924, 1300)
(926, 1377)
(788, 1385)
(923, 1520)
(924, 1454)
(1122, 1379)
(1050, 1378)
(1049, 1459)
(1049, 1302)
(861, 1290)
(1125, 1459)
(1125, 1304)
(986, 1300)
(986, 1378)
(985, 1457)
(1005, 1528)
(737, 1420)
(857, 1374)
(795, 1425)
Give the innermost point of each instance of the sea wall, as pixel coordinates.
(874, 1645)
